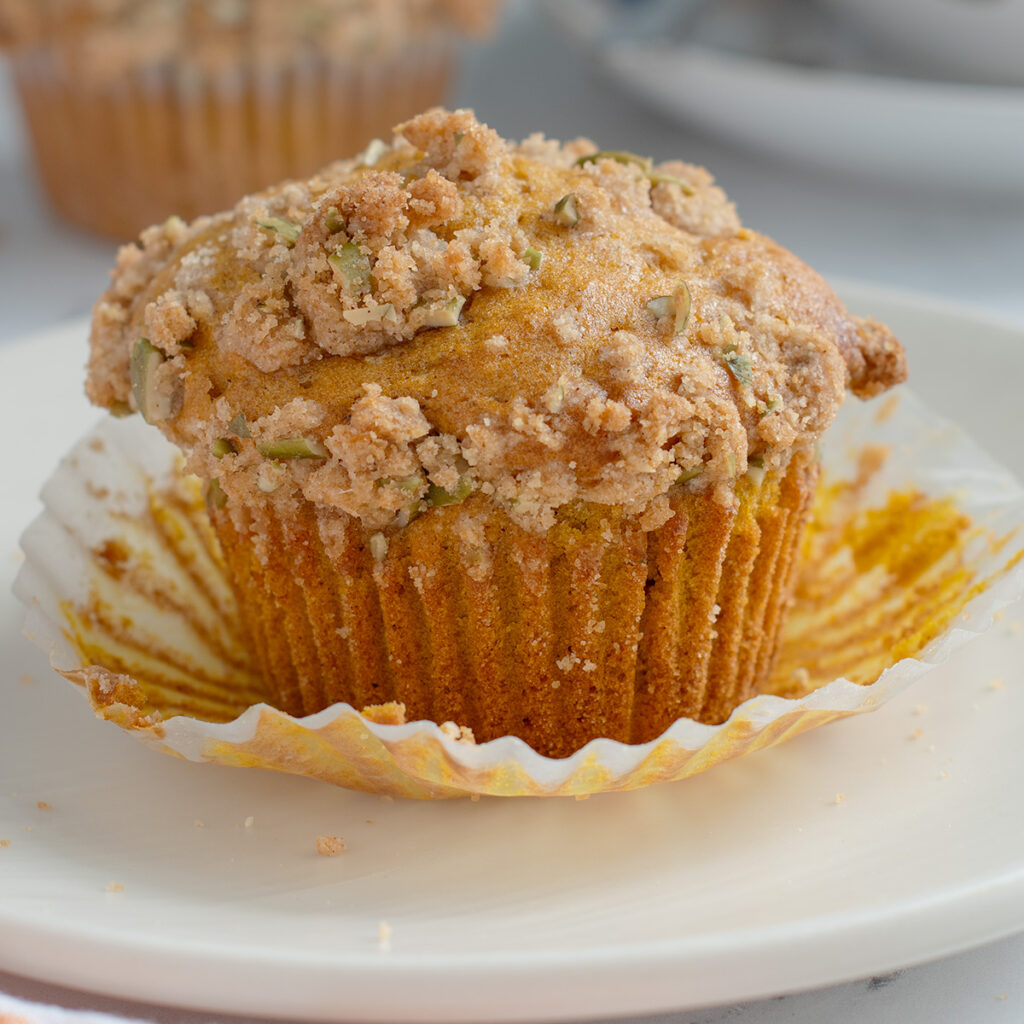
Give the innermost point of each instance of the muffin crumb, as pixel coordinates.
(330, 846)
(457, 733)
(392, 713)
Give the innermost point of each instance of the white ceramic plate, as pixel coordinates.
(862, 119)
(751, 880)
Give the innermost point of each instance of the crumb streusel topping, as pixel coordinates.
(542, 323)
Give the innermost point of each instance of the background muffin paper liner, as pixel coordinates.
(147, 141)
(917, 541)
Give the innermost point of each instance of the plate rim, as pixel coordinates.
(998, 896)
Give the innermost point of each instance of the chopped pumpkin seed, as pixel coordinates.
(239, 427)
(567, 210)
(354, 267)
(154, 404)
(287, 229)
(738, 365)
(223, 446)
(215, 496)
(292, 448)
(439, 496)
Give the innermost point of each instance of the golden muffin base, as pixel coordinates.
(594, 629)
(116, 156)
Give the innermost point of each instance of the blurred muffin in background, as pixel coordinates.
(139, 109)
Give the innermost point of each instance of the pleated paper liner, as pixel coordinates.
(916, 540)
(591, 629)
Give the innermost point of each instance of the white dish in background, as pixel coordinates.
(979, 40)
(750, 880)
(802, 91)
(911, 131)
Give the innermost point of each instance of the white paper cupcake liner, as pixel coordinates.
(126, 590)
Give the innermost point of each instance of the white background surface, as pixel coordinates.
(966, 248)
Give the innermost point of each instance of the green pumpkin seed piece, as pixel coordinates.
(333, 220)
(362, 316)
(739, 366)
(660, 178)
(146, 359)
(154, 404)
(443, 314)
(373, 152)
(756, 471)
(439, 496)
(620, 156)
(223, 446)
(379, 546)
(215, 496)
(288, 230)
(532, 258)
(239, 427)
(644, 162)
(412, 484)
(567, 210)
(662, 305)
(689, 474)
(271, 475)
(684, 303)
(678, 304)
(354, 267)
(292, 448)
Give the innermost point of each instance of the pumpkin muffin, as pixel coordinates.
(138, 109)
(520, 436)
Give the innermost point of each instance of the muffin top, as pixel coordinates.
(543, 323)
(107, 37)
